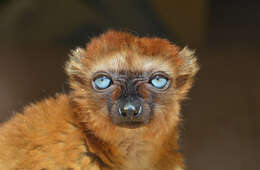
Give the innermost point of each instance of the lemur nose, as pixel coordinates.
(130, 110)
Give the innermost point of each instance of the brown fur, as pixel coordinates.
(74, 131)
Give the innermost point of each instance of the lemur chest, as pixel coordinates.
(137, 155)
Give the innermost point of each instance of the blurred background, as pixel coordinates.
(221, 118)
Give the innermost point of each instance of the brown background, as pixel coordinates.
(221, 117)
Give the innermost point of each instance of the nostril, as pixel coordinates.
(138, 111)
(122, 112)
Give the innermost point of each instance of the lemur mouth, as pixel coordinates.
(131, 124)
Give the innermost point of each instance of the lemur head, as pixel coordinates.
(122, 82)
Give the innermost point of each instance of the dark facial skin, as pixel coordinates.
(130, 96)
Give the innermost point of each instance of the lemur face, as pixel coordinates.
(130, 82)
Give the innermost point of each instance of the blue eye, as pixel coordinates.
(102, 82)
(159, 81)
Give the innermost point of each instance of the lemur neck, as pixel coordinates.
(123, 155)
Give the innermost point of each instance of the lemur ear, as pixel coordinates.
(188, 69)
(190, 65)
(74, 66)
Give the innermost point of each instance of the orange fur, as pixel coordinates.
(74, 131)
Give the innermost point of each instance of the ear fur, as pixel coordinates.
(190, 66)
(187, 71)
(74, 67)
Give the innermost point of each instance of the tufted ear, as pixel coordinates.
(74, 67)
(188, 69)
(190, 65)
